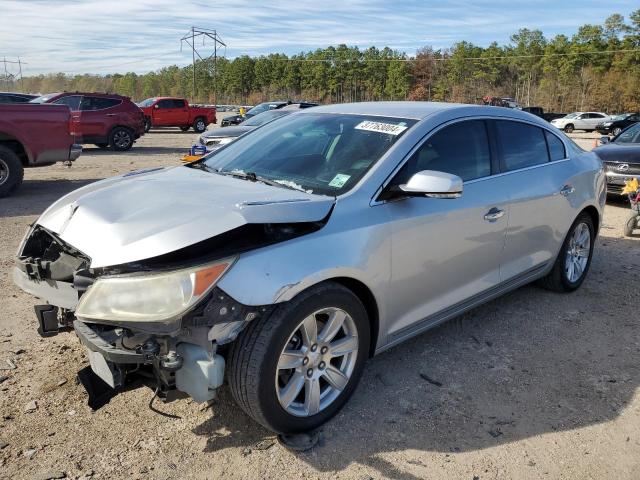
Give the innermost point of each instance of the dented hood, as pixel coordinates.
(148, 213)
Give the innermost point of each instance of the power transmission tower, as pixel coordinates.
(190, 39)
(8, 77)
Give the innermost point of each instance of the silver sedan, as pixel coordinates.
(282, 261)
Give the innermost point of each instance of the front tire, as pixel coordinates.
(573, 262)
(121, 139)
(293, 370)
(616, 131)
(147, 124)
(102, 145)
(630, 224)
(11, 171)
(185, 128)
(199, 125)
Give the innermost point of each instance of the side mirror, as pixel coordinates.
(429, 183)
(156, 106)
(604, 140)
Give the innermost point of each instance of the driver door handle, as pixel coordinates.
(494, 214)
(567, 190)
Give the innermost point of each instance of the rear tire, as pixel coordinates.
(568, 128)
(561, 278)
(199, 125)
(184, 129)
(11, 171)
(258, 380)
(121, 139)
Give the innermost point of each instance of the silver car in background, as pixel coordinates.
(285, 259)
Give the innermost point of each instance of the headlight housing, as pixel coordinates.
(154, 297)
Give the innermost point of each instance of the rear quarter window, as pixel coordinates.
(556, 147)
(521, 145)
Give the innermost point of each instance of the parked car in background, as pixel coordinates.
(616, 124)
(176, 112)
(291, 255)
(587, 121)
(33, 136)
(539, 112)
(106, 120)
(213, 139)
(621, 157)
(13, 97)
(262, 107)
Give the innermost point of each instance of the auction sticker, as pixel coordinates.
(389, 128)
(339, 180)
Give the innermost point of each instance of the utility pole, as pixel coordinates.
(190, 39)
(8, 76)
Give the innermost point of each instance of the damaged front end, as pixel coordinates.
(161, 321)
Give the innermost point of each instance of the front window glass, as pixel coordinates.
(264, 117)
(630, 135)
(147, 103)
(321, 153)
(460, 149)
(73, 101)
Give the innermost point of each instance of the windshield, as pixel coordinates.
(264, 117)
(146, 103)
(572, 115)
(630, 135)
(319, 153)
(263, 107)
(44, 98)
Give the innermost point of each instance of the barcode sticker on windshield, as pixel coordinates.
(389, 128)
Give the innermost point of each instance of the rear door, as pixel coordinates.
(97, 116)
(535, 162)
(180, 112)
(594, 119)
(445, 251)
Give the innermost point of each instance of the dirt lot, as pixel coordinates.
(533, 385)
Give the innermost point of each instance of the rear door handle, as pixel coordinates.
(567, 190)
(494, 214)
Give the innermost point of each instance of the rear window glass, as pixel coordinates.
(522, 145)
(99, 103)
(556, 147)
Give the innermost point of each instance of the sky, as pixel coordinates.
(106, 36)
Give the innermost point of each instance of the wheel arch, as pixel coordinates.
(594, 214)
(17, 147)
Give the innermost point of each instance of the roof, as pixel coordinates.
(419, 110)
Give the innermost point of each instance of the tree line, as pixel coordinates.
(598, 67)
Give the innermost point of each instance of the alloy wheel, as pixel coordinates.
(578, 252)
(317, 362)
(122, 139)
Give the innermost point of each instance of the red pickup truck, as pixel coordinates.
(176, 112)
(33, 136)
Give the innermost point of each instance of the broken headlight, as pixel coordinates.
(154, 297)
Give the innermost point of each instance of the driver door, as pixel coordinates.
(446, 251)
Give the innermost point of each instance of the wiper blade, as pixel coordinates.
(253, 177)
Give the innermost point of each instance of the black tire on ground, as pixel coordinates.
(185, 128)
(11, 171)
(616, 131)
(199, 125)
(631, 224)
(568, 128)
(253, 358)
(121, 139)
(147, 124)
(102, 145)
(557, 280)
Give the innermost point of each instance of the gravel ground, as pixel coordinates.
(532, 385)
